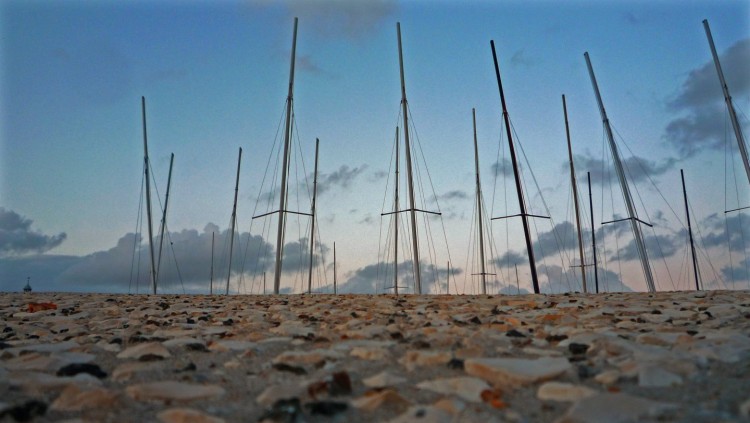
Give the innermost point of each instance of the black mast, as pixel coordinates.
(519, 190)
(690, 231)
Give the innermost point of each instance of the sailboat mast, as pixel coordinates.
(211, 286)
(412, 206)
(690, 231)
(479, 204)
(593, 236)
(164, 216)
(728, 99)
(285, 168)
(334, 269)
(146, 166)
(623, 183)
(395, 224)
(234, 220)
(575, 195)
(519, 189)
(312, 224)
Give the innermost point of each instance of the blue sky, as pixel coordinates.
(215, 77)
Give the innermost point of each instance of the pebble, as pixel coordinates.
(561, 391)
(144, 351)
(186, 415)
(615, 408)
(514, 372)
(467, 388)
(173, 391)
(74, 398)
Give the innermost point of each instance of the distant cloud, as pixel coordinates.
(342, 178)
(377, 176)
(727, 231)
(502, 167)
(343, 18)
(378, 278)
(658, 246)
(521, 59)
(701, 102)
(17, 237)
(637, 169)
(305, 62)
(739, 273)
(510, 259)
(454, 195)
(631, 18)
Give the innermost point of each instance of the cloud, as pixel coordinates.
(454, 195)
(726, 230)
(658, 246)
(43, 271)
(701, 103)
(17, 237)
(297, 255)
(342, 178)
(336, 18)
(378, 278)
(738, 273)
(637, 169)
(510, 259)
(377, 176)
(502, 167)
(521, 59)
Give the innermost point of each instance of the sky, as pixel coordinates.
(215, 78)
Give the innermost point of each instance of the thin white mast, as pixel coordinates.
(728, 99)
(234, 220)
(623, 184)
(412, 206)
(284, 169)
(395, 224)
(479, 204)
(334, 269)
(211, 285)
(312, 225)
(575, 195)
(146, 166)
(164, 216)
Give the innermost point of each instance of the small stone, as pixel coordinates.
(284, 410)
(26, 411)
(149, 349)
(655, 376)
(186, 415)
(608, 377)
(615, 408)
(383, 379)
(369, 353)
(558, 391)
(423, 413)
(414, 359)
(745, 408)
(274, 393)
(453, 406)
(326, 408)
(173, 391)
(516, 371)
(75, 368)
(373, 400)
(467, 388)
(125, 371)
(74, 398)
(577, 349)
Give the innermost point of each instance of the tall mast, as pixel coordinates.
(690, 231)
(479, 204)
(519, 189)
(211, 286)
(728, 99)
(312, 225)
(334, 269)
(593, 236)
(234, 220)
(285, 168)
(395, 224)
(623, 184)
(412, 206)
(575, 195)
(146, 166)
(164, 216)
